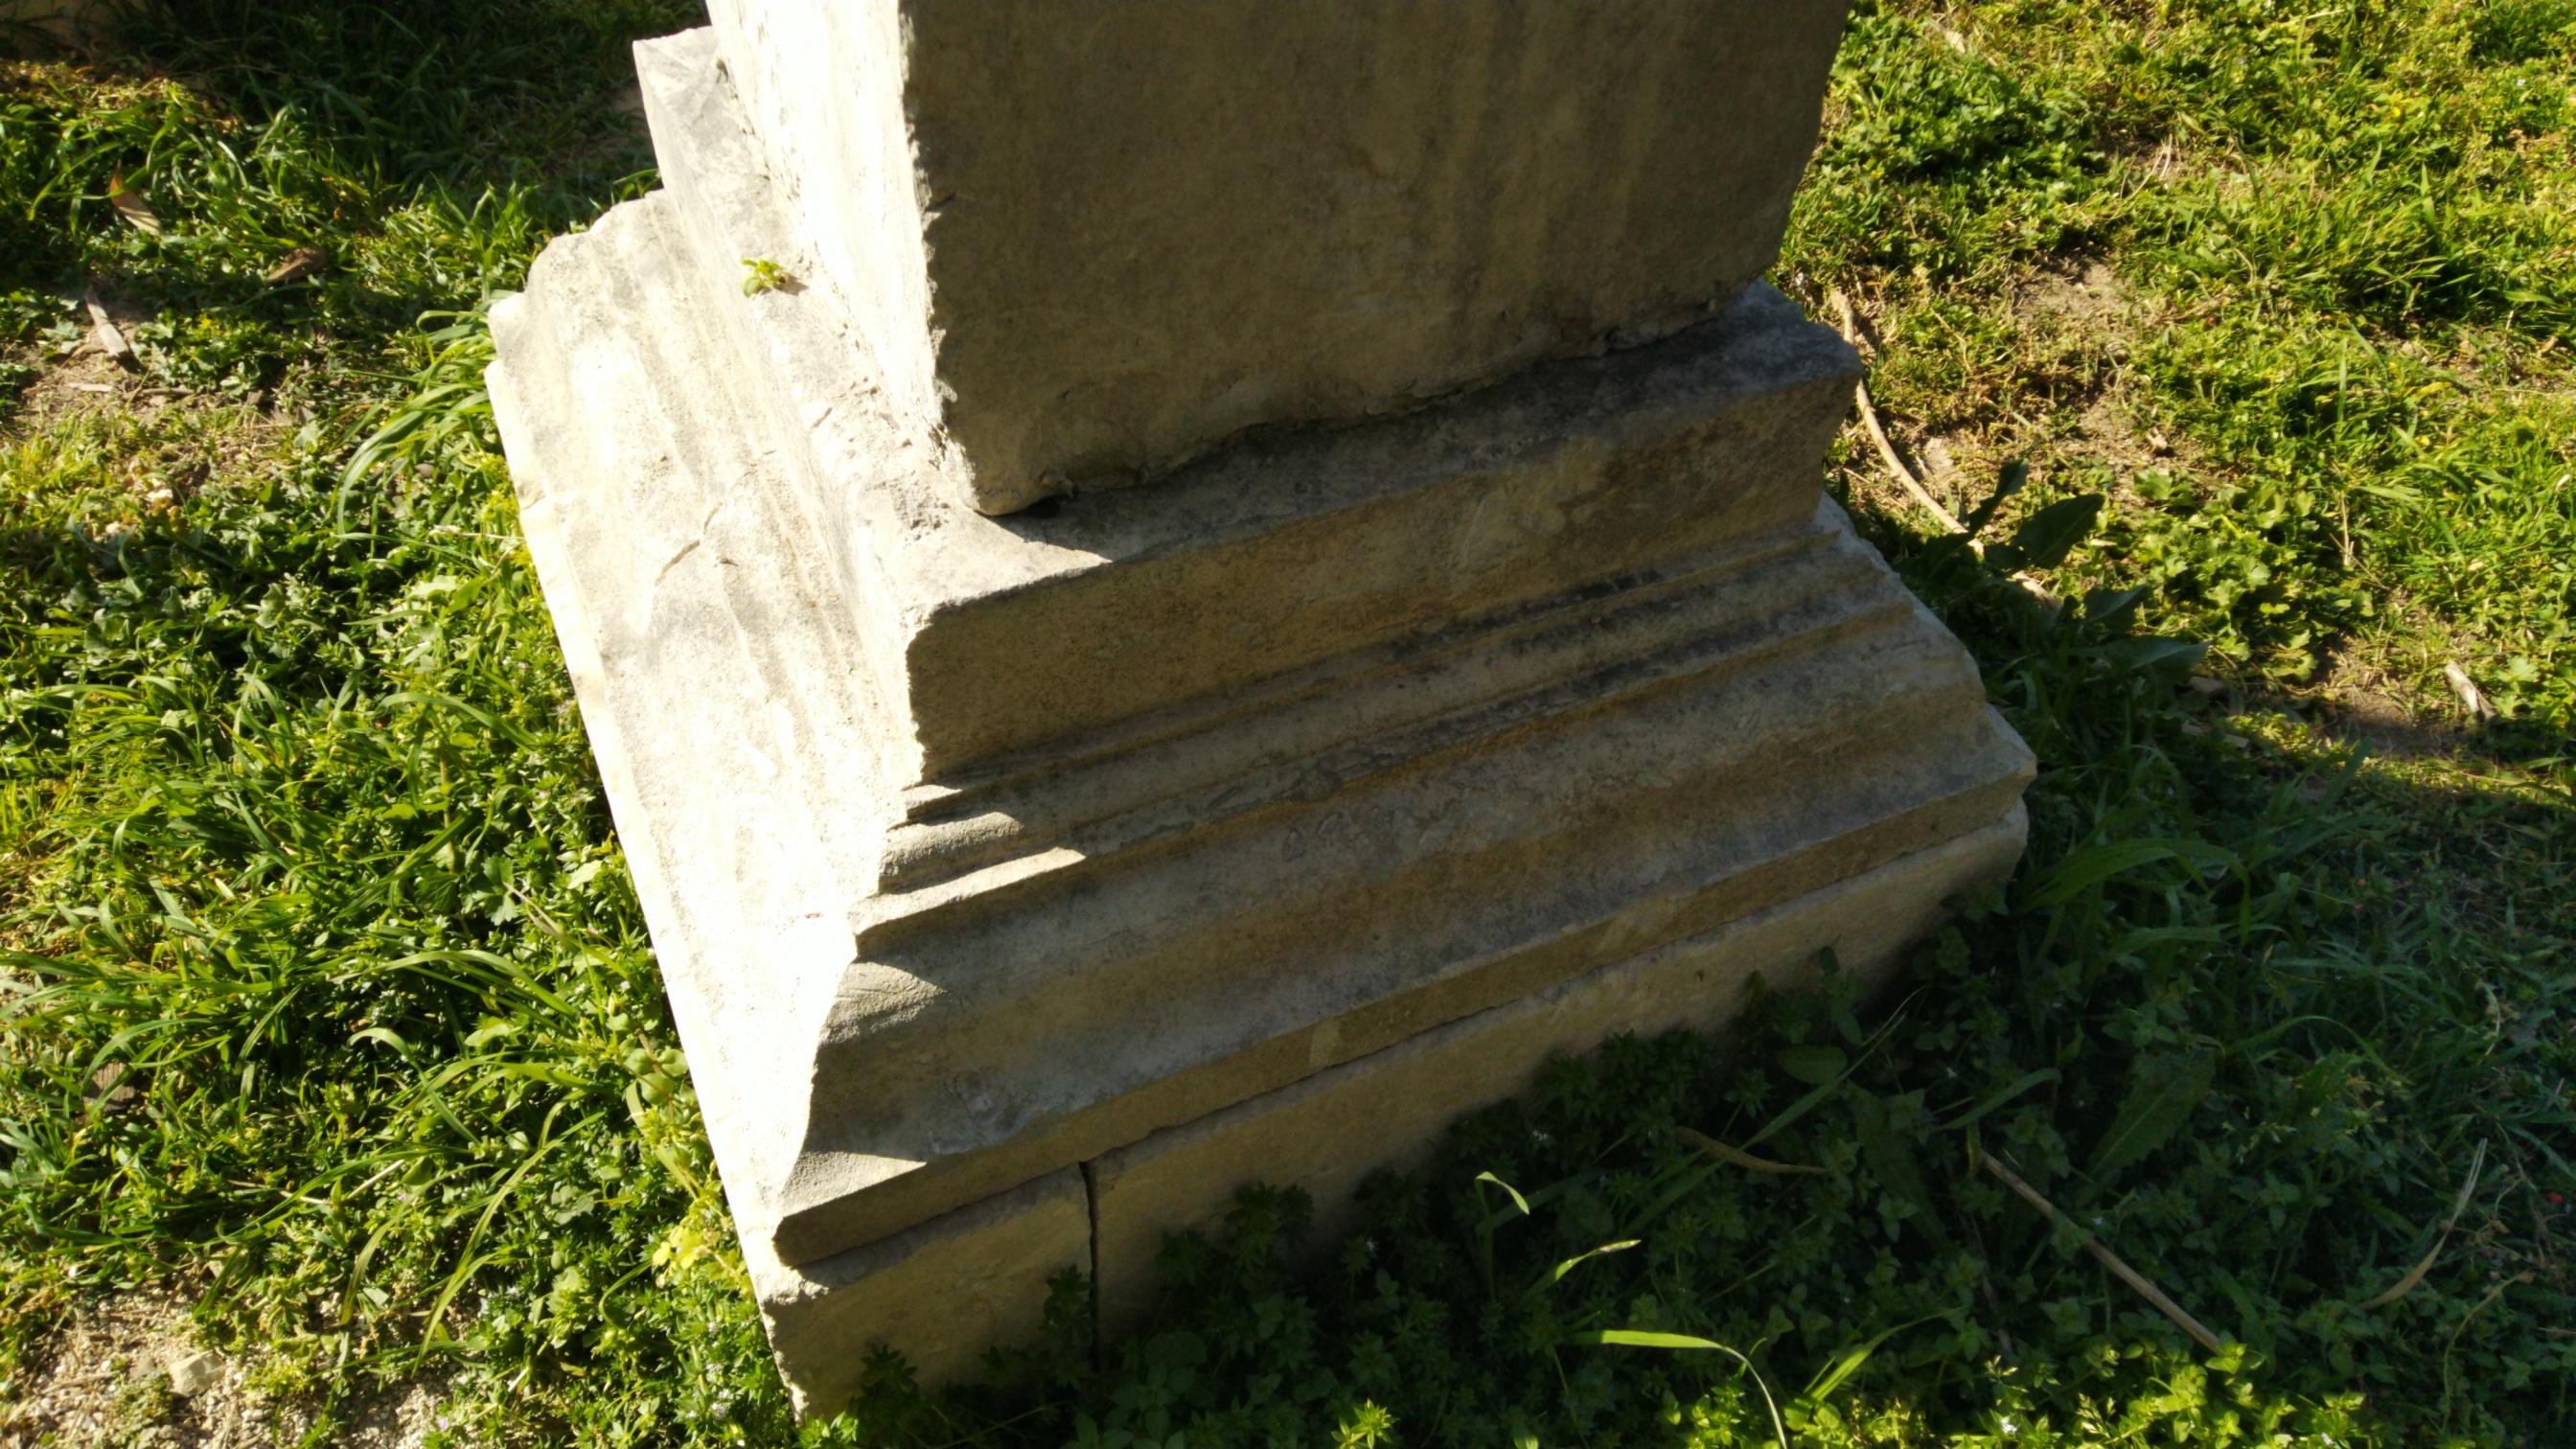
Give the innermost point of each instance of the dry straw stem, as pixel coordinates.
(2472, 698)
(129, 203)
(109, 336)
(2111, 1260)
(2424, 1265)
(1702, 1142)
(297, 265)
(1878, 432)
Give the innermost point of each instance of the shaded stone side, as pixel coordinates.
(1792, 726)
(941, 1294)
(1387, 1110)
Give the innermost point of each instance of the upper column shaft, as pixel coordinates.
(1087, 239)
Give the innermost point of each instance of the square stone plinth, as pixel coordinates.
(1084, 240)
(946, 988)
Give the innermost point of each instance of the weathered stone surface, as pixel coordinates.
(978, 849)
(941, 1293)
(738, 772)
(1424, 840)
(1296, 547)
(1388, 1109)
(1033, 967)
(1084, 243)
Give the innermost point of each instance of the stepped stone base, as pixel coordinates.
(1387, 1110)
(1023, 885)
(945, 1291)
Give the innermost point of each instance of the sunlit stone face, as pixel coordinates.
(1086, 241)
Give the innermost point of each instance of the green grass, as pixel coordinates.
(297, 823)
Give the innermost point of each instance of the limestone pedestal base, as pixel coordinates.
(1023, 885)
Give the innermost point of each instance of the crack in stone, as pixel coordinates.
(1091, 1215)
(692, 546)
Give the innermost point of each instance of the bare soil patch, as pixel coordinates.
(112, 1375)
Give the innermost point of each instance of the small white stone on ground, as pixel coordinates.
(193, 1371)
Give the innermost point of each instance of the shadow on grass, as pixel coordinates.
(425, 150)
(2294, 1048)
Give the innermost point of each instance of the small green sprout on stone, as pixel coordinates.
(763, 275)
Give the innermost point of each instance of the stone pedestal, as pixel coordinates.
(1025, 881)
